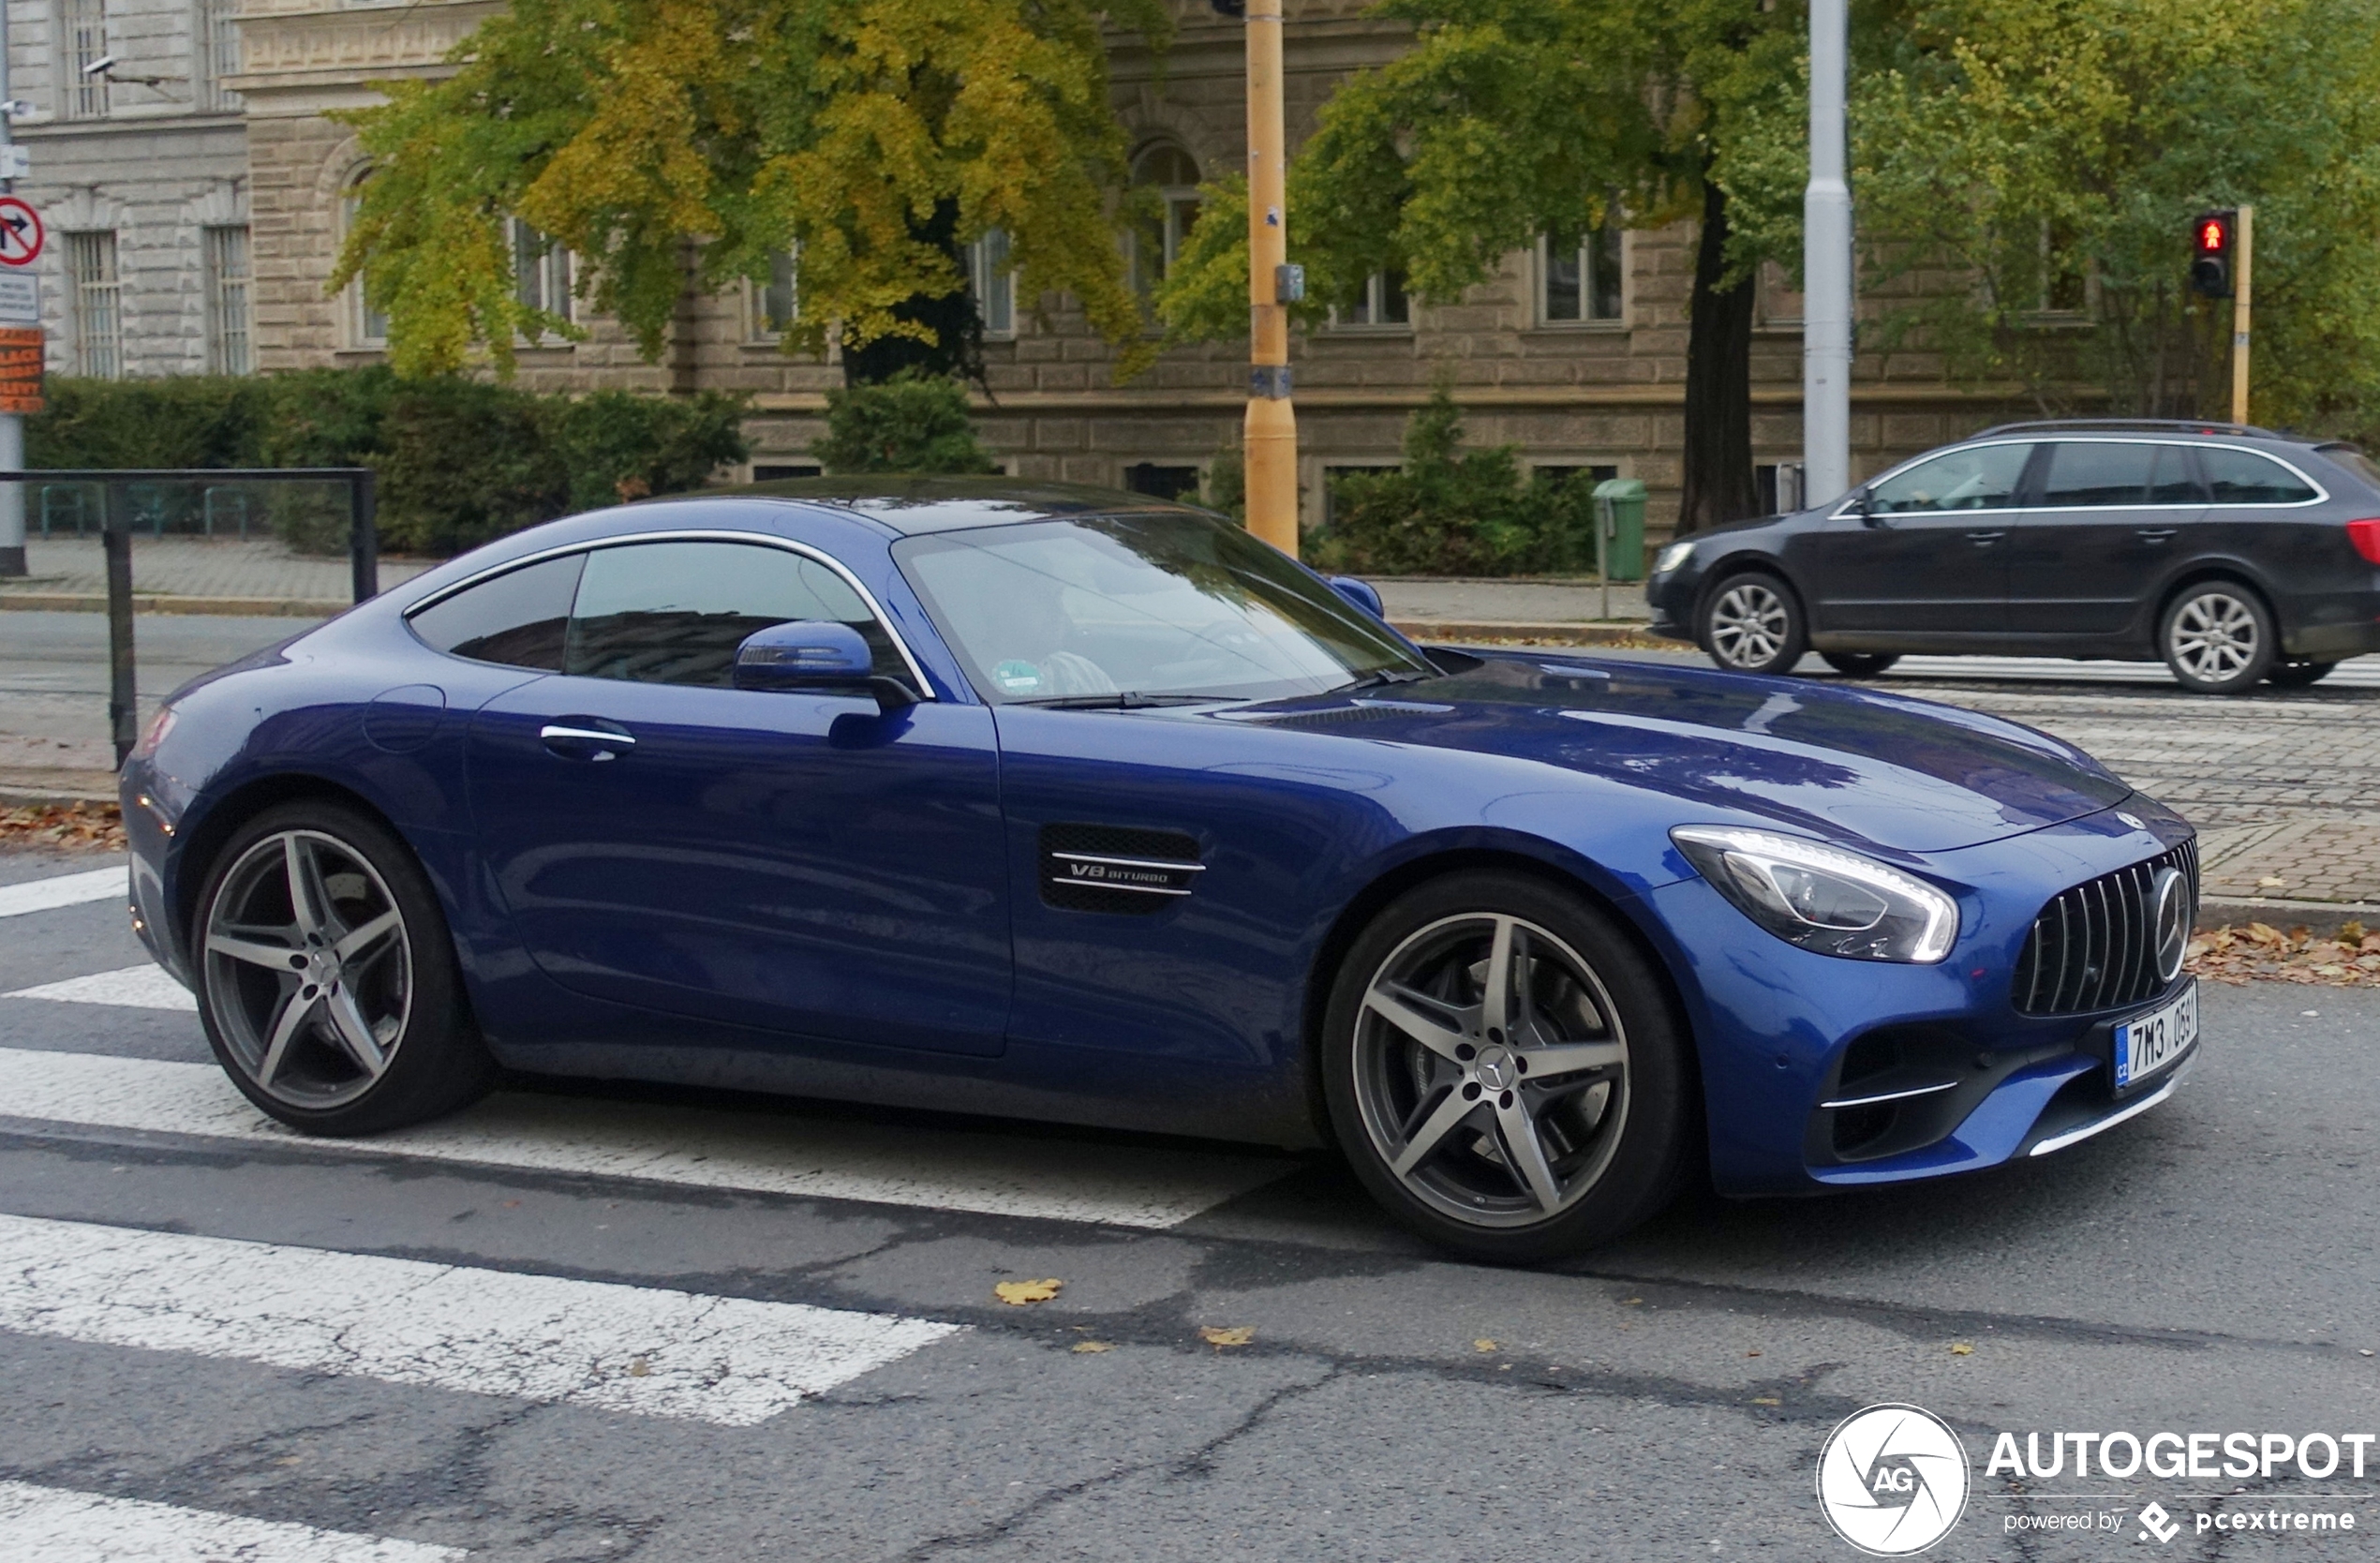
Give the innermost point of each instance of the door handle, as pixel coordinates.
(1984, 539)
(584, 743)
(2155, 534)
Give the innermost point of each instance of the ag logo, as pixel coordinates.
(1892, 1480)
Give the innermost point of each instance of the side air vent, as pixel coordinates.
(1116, 869)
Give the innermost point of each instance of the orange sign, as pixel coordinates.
(19, 369)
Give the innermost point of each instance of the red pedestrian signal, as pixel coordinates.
(2210, 241)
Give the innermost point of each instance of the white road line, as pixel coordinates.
(134, 987)
(53, 1526)
(70, 889)
(997, 1174)
(642, 1350)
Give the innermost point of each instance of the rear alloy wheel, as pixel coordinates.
(2299, 674)
(2218, 638)
(327, 980)
(1753, 624)
(1860, 664)
(1503, 1070)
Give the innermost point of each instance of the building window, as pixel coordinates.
(1164, 483)
(85, 25)
(1561, 475)
(217, 24)
(540, 271)
(1330, 476)
(993, 285)
(1173, 173)
(226, 300)
(1776, 303)
(2065, 280)
(1781, 487)
(772, 307)
(367, 327)
(1577, 287)
(773, 471)
(99, 304)
(1381, 305)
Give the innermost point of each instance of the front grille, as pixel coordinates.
(2095, 946)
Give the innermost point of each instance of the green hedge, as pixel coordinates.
(459, 461)
(1452, 511)
(911, 423)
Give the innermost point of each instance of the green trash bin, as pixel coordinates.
(1619, 523)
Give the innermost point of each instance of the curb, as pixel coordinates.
(2319, 917)
(153, 601)
(1554, 633)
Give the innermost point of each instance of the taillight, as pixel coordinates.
(162, 723)
(2365, 535)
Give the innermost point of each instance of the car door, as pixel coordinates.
(2109, 516)
(809, 865)
(1927, 560)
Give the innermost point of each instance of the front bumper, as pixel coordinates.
(1777, 1026)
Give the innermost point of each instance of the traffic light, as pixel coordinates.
(2211, 235)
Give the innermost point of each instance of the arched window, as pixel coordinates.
(1173, 173)
(367, 327)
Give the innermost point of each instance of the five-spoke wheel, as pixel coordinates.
(1752, 624)
(2218, 638)
(1503, 1068)
(325, 979)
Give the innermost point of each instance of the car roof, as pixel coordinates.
(911, 506)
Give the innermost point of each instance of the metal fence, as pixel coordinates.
(125, 499)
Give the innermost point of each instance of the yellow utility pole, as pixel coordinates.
(1270, 443)
(2239, 315)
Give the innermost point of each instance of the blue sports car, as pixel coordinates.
(1078, 806)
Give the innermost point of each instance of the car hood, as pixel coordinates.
(1850, 765)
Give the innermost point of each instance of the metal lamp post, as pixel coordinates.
(1269, 441)
(1826, 266)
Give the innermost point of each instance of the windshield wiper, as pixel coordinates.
(1128, 700)
(1384, 675)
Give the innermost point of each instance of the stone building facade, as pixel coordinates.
(1579, 359)
(140, 169)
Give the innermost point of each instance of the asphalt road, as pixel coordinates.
(504, 1339)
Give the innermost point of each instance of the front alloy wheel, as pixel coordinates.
(1499, 1088)
(2219, 639)
(327, 979)
(1752, 624)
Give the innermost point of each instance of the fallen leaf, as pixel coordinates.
(1766, 1400)
(639, 1368)
(94, 825)
(1017, 1293)
(1239, 1334)
(2264, 933)
(2270, 882)
(1081, 1346)
(2352, 933)
(1633, 1302)
(1483, 1344)
(1961, 1348)
(1752, 1353)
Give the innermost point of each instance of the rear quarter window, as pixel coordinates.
(520, 619)
(2237, 477)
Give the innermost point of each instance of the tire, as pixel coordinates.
(1753, 623)
(2218, 638)
(324, 1024)
(1428, 1088)
(1860, 664)
(2299, 674)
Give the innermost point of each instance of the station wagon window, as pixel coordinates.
(1982, 477)
(518, 618)
(674, 613)
(2085, 474)
(2245, 478)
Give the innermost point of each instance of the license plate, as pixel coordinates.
(2146, 1043)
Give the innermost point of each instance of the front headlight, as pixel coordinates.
(1822, 898)
(1672, 557)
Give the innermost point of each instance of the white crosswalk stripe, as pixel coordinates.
(1053, 1178)
(70, 889)
(133, 987)
(48, 1525)
(642, 1350)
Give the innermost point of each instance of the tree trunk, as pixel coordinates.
(1718, 385)
(957, 349)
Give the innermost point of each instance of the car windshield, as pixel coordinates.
(1142, 605)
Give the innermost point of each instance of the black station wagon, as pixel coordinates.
(2234, 554)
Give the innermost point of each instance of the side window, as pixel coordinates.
(517, 618)
(2174, 481)
(1980, 478)
(2245, 478)
(674, 613)
(2091, 474)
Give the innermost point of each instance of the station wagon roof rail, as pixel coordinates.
(2173, 425)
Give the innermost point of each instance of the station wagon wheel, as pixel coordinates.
(1752, 624)
(2218, 638)
(325, 979)
(1860, 664)
(2298, 675)
(1503, 1071)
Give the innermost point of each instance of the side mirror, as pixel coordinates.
(808, 654)
(1863, 507)
(1361, 593)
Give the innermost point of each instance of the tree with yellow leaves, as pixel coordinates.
(665, 141)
